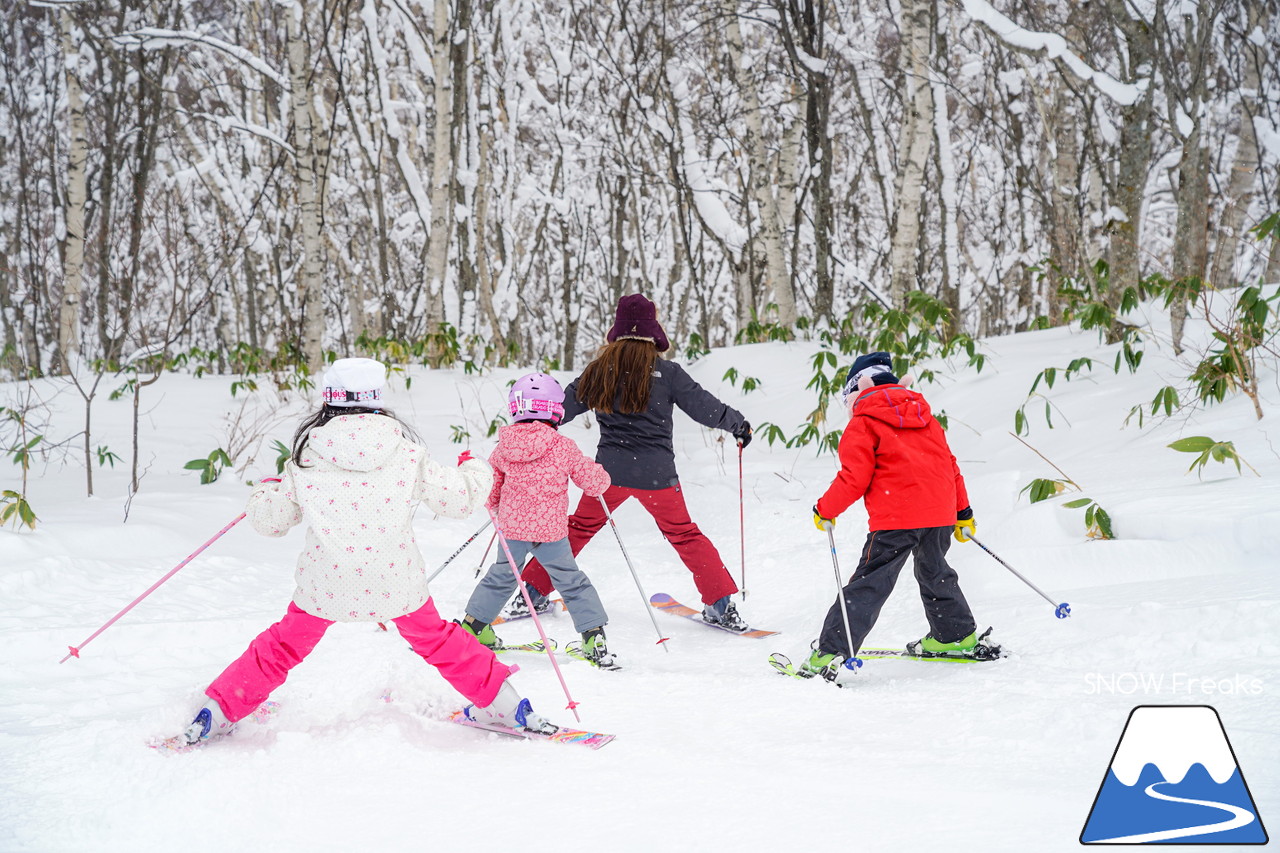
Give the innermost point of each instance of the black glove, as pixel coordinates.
(743, 433)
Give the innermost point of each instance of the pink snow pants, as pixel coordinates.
(471, 668)
(668, 509)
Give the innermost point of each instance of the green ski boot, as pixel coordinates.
(483, 632)
(972, 646)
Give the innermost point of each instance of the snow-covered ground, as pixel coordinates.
(713, 749)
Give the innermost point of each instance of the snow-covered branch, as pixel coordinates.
(150, 38)
(1055, 47)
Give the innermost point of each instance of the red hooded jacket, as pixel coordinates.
(894, 455)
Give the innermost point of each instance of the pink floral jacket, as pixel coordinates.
(532, 466)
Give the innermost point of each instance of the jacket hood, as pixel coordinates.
(356, 442)
(525, 442)
(894, 405)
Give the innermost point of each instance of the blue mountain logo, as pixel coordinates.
(1173, 779)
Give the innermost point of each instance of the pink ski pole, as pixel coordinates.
(742, 524)
(75, 650)
(546, 643)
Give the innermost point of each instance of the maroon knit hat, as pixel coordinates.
(637, 319)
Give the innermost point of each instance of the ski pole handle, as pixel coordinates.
(75, 650)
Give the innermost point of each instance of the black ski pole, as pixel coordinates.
(459, 551)
(1062, 610)
(852, 661)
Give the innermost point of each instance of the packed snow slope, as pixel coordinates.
(713, 750)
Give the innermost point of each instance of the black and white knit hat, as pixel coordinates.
(354, 382)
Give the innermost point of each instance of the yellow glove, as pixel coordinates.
(823, 524)
(964, 529)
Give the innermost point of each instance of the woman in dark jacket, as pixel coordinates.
(633, 392)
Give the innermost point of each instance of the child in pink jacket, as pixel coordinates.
(532, 466)
(356, 479)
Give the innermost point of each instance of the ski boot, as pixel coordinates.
(483, 632)
(509, 709)
(517, 609)
(828, 666)
(209, 723)
(595, 650)
(724, 613)
(972, 646)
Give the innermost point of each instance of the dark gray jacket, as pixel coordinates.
(636, 450)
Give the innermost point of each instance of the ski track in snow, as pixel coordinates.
(713, 747)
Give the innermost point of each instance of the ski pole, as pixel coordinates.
(1062, 611)
(75, 650)
(742, 524)
(852, 662)
(459, 551)
(546, 644)
(636, 577)
(485, 557)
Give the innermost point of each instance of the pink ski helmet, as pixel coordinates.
(536, 397)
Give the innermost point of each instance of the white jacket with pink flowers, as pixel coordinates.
(532, 466)
(358, 486)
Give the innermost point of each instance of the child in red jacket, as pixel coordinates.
(894, 456)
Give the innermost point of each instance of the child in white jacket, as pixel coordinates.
(357, 480)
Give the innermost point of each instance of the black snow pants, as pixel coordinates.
(883, 557)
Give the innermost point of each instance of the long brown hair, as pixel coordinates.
(621, 373)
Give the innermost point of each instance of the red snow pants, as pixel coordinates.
(668, 509)
(469, 666)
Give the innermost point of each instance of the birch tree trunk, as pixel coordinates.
(73, 247)
(306, 129)
(949, 287)
(1190, 239)
(777, 280)
(913, 149)
(441, 171)
(1244, 165)
(1134, 161)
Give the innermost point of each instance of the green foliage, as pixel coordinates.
(243, 385)
(458, 434)
(106, 457)
(14, 506)
(210, 467)
(749, 383)
(1208, 449)
(1268, 227)
(771, 432)
(1042, 489)
(22, 453)
(283, 454)
(1166, 399)
(1097, 523)
(696, 348)
(758, 331)
(1231, 364)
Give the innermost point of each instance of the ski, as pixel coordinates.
(574, 650)
(667, 604)
(551, 609)
(536, 647)
(178, 743)
(595, 740)
(905, 655)
(782, 665)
